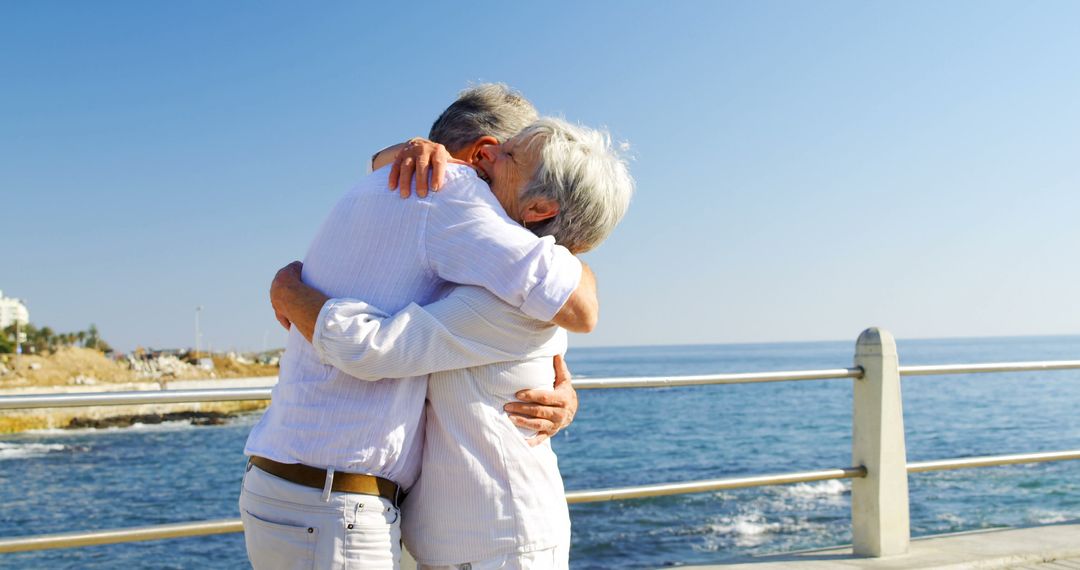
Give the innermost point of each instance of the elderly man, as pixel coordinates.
(484, 498)
(331, 454)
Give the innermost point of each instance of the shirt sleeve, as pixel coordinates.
(470, 327)
(470, 240)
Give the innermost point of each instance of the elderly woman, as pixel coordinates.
(486, 497)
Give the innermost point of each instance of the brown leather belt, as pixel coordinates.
(316, 478)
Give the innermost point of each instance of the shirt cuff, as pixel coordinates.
(547, 298)
(320, 326)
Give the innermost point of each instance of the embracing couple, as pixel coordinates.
(424, 353)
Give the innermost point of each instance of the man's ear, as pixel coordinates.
(539, 209)
(473, 150)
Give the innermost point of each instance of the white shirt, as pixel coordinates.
(483, 490)
(390, 251)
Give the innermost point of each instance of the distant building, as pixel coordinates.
(12, 310)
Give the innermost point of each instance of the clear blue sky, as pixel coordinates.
(804, 169)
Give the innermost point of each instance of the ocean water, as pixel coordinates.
(65, 481)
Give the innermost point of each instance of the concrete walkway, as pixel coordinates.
(1048, 547)
(1070, 564)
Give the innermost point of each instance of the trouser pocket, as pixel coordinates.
(373, 537)
(278, 545)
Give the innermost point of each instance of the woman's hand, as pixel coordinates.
(546, 411)
(418, 156)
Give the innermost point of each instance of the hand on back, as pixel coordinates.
(418, 159)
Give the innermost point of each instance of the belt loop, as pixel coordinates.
(328, 485)
(351, 510)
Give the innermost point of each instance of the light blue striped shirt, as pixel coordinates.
(483, 490)
(388, 251)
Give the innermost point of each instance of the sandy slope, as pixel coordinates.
(82, 366)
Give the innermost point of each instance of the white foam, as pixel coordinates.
(73, 431)
(175, 425)
(25, 450)
(750, 529)
(1047, 517)
(951, 518)
(830, 488)
(744, 525)
(163, 426)
(47, 431)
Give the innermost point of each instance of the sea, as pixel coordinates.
(75, 480)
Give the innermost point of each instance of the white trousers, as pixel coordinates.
(557, 558)
(290, 526)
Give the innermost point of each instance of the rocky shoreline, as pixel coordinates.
(192, 417)
(197, 413)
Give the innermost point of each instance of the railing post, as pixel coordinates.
(879, 501)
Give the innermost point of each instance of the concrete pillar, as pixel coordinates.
(879, 502)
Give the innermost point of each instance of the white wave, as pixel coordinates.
(820, 489)
(1047, 517)
(47, 431)
(163, 426)
(951, 518)
(750, 529)
(80, 431)
(175, 425)
(25, 450)
(745, 525)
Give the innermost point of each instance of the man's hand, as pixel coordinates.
(284, 278)
(546, 411)
(417, 157)
(295, 303)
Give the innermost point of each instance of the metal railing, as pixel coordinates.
(944, 369)
(991, 461)
(120, 535)
(34, 401)
(664, 489)
(877, 442)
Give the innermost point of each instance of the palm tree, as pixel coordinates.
(46, 339)
(92, 339)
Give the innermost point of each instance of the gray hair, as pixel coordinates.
(489, 109)
(579, 169)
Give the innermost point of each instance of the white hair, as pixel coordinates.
(581, 171)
